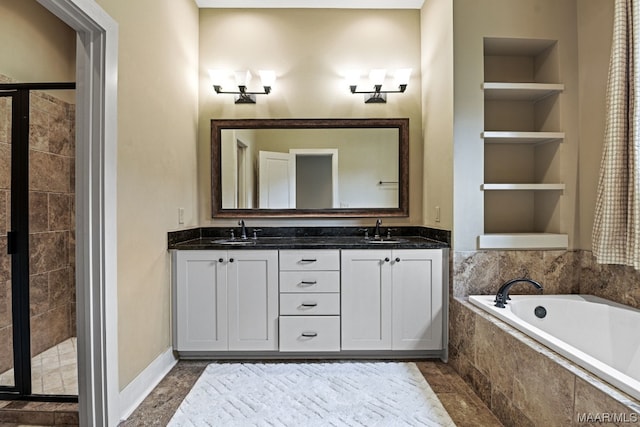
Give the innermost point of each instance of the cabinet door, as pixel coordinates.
(366, 300)
(417, 299)
(253, 300)
(200, 301)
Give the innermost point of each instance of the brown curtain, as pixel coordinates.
(616, 230)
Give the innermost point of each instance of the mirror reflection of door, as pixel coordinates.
(276, 183)
(316, 175)
(241, 169)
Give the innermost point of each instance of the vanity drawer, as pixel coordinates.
(312, 281)
(309, 304)
(310, 260)
(309, 333)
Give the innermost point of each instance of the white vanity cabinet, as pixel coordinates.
(392, 299)
(225, 300)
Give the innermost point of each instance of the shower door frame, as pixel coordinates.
(18, 241)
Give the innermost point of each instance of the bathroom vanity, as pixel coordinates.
(310, 292)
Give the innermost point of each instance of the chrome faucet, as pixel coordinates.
(503, 293)
(376, 231)
(243, 229)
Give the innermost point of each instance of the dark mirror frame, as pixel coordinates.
(402, 124)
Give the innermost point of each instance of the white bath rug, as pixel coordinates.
(311, 394)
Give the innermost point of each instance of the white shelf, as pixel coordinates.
(523, 187)
(520, 91)
(509, 137)
(523, 241)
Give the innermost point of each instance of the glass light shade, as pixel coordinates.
(217, 77)
(377, 75)
(352, 77)
(268, 77)
(243, 78)
(402, 76)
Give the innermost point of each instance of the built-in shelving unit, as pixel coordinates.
(522, 185)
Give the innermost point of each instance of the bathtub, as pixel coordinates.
(597, 334)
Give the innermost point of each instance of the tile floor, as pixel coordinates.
(54, 371)
(463, 405)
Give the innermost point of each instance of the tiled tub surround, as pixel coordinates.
(523, 382)
(52, 223)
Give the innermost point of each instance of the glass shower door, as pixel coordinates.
(7, 378)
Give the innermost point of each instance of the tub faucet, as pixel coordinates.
(503, 293)
(376, 231)
(243, 229)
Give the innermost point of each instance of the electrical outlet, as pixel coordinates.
(437, 213)
(180, 215)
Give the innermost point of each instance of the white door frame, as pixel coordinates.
(96, 228)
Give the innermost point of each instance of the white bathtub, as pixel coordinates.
(601, 336)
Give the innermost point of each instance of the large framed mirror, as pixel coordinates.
(310, 167)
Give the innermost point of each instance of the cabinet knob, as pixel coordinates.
(386, 259)
(230, 259)
(220, 259)
(397, 259)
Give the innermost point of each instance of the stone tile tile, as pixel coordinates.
(461, 329)
(5, 166)
(5, 303)
(543, 388)
(67, 418)
(39, 294)
(27, 417)
(49, 172)
(475, 273)
(516, 264)
(4, 223)
(614, 282)
(38, 129)
(589, 400)
(5, 120)
(49, 328)
(561, 272)
(38, 212)
(61, 134)
(6, 348)
(59, 212)
(509, 415)
(465, 413)
(60, 288)
(491, 360)
(48, 251)
(5, 260)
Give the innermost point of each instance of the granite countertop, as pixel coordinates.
(308, 238)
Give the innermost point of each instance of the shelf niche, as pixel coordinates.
(522, 174)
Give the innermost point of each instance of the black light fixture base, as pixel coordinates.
(375, 98)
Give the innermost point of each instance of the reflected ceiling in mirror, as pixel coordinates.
(309, 167)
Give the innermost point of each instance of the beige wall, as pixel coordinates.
(309, 51)
(595, 29)
(36, 46)
(437, 105)
(157, 120)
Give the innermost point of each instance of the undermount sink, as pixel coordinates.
(234, 242)
(385, 241)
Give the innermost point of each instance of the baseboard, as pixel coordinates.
(135, 392)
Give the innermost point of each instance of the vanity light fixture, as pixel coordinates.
(376, 78)
(242, 79)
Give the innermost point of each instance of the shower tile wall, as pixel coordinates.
(52, 223)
